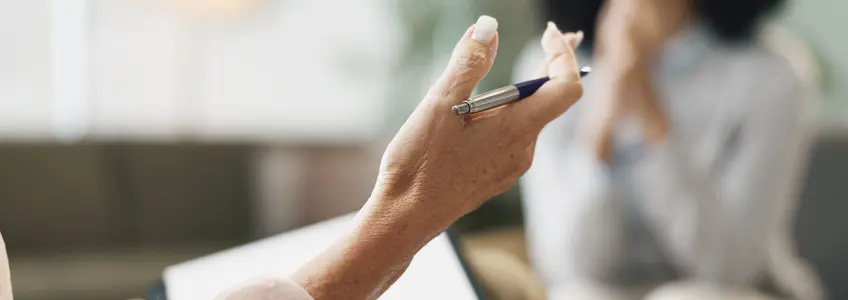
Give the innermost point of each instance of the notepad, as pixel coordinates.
(436, 271)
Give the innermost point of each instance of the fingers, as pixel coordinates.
(575, 38)
(565, 86)
(471, 61)
(559, 48)
(552, 46)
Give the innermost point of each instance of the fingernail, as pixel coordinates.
(579, 38)
(551, 35)
(552, 26)
(551, 31)
(485, 29)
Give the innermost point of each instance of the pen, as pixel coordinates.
(502, 96)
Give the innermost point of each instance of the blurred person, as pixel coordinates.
(438, 167)
(676, 166)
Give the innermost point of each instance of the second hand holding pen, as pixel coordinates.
(502, 96)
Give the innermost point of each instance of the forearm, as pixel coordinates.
(369, 259)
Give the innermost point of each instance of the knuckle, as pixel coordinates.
(472, 61)
(466, 68)
(455, 84)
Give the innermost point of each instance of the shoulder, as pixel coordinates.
(767, 75)
(767, 84)
(758, 61)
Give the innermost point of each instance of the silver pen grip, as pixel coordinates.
(492, 99)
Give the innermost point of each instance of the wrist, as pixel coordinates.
(373, 253)
(395, 220)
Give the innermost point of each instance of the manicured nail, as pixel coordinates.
(551, 38)
(552, 25)
(579, 38)
(485, 29)
(574, 39)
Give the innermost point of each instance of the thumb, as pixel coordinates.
(470, 62)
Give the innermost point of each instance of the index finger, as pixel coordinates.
(553, 48)
(565, 86)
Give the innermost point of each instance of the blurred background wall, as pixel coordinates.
(820, 24)
(137, 134)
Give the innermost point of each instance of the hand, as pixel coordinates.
(638, 29)
(441, 166)
(631, 34)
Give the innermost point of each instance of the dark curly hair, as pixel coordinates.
(731, 20)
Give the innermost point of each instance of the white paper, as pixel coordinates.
(435, 273)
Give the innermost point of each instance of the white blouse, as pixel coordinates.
(710, 196)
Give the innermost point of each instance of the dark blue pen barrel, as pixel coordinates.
(527, 88)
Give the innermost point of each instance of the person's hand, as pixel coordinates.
(631, 33)
(637, 29)
(441, 166)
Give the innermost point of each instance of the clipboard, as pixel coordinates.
(439, 270)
